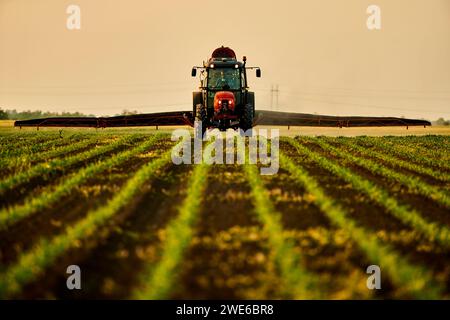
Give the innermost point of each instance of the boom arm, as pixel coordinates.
(312, 120)
(180, 118)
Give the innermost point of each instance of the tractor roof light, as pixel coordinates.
(212, 66)
(236, 66)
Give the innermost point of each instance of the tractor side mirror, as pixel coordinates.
(194, 72)
(258, 73)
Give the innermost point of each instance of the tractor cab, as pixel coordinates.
(224, 100)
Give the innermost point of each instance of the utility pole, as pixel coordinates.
(271, 97)
(276, 97)
(274, 91)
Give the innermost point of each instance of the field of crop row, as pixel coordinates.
(139, 226)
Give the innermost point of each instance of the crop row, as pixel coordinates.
(395, 162)
(433, 147)
(33, 262)
(61, 148)
(158, 280)
(17, 148)
(410, 279)
(25, 145)
(297, 282)
(408, 216)
(409, 151)
(413, 184)
(15, 142)
(52, 195)
(46, 168)
(427, 141)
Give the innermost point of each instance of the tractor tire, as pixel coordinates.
(200, 116)
(251, 100)
(246, 121)
(197, 98)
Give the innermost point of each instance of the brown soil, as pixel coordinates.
(375, 218)
(111, 261)
(229, 256)
(94, 193)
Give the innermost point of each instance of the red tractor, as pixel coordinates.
(224, 100)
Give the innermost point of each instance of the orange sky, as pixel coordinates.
(137, 54)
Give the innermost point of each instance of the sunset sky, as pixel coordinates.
(137, 54)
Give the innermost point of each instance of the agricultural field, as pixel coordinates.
(139, 226)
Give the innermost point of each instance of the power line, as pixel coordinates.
(444, 91)
(373, 96)
(371, 106)
(142, 84)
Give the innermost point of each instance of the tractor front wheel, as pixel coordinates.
(201, 121)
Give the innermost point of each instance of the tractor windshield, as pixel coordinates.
(224, 79)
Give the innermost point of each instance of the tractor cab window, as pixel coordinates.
(224, 79)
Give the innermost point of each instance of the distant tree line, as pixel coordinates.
(28, 114)
(442, 122)
(3, 115)
(127, 112)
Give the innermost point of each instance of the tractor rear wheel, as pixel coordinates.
(246, 122)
